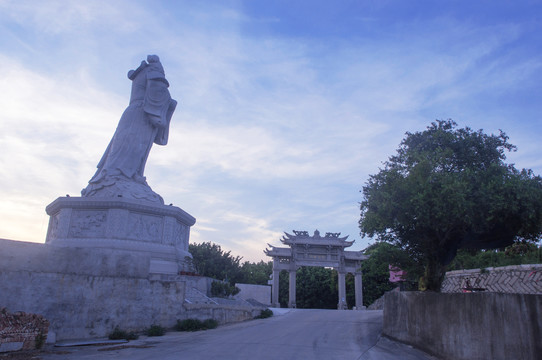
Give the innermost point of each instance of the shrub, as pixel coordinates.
(119, 334)
(210, 324)
(195, 324)
(189, 325)
(156, 330)
(264, 314)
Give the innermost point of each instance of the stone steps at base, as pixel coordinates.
(194, 296)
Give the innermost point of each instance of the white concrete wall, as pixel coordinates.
(260, 293)
(466, 326)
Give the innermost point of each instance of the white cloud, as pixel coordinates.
(245, 235)
(48, 138)
(59, 17)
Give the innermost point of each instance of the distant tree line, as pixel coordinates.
(210, 260)
(316, 288)
(516, 254)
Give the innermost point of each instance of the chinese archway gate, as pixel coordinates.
(327, 251)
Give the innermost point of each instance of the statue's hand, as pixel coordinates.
(156, 121)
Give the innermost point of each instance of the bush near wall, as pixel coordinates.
(195, 324)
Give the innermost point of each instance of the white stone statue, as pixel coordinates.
(144, 122)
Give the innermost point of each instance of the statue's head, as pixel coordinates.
(154, 64)
(153, 59)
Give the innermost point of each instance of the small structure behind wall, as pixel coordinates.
(327, 251)
(260, 293)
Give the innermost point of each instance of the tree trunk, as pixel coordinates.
(434, 275)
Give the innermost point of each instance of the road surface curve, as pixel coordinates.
(297, 334)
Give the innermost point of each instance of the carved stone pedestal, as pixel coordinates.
(123, 224)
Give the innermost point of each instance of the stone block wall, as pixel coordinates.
(86, 293)
(517, 279)
(21, 331)
(469, 326)
(222, 314)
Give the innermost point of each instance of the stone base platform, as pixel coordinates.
(160, 231)
(85, 292)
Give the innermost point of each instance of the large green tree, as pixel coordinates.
(210, 260)
(449, 188)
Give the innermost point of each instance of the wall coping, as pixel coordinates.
(523, 267)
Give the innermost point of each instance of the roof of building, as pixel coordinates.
(303, 237)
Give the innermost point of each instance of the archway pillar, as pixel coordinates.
(358, 288)
(342, 291)
(291, 293)
(275, 286)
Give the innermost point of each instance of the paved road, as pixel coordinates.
(298, 334)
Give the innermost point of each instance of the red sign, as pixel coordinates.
(396, 274)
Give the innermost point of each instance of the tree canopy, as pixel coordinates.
(256, 273)
(449, 188)
(210, 260)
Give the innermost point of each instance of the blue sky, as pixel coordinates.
(285, 107)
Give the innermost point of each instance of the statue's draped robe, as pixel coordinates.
(144, 122)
